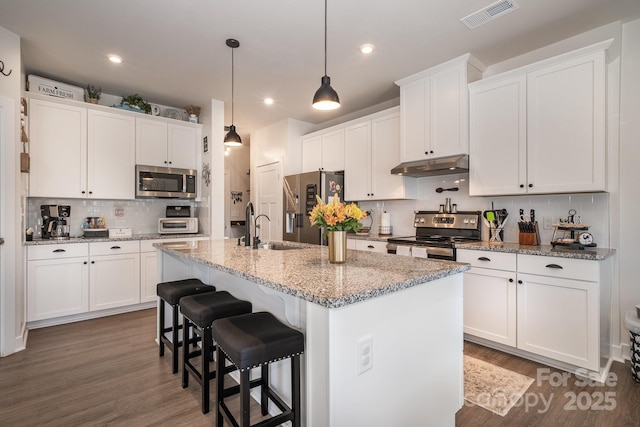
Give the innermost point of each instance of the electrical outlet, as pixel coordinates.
(547, 223)
(365, 354)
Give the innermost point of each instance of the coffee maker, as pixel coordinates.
(54, 221)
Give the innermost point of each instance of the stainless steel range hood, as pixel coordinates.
(433, 167)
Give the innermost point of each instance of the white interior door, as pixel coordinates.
(269, 200)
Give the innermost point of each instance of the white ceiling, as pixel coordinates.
(175, 53)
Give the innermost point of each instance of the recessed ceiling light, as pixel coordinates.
(268, 101)
(115, 59)
(367, 48)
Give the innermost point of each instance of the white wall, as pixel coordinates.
(11, 199)
(629, 170)
(236, 164)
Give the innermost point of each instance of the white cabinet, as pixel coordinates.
(371, 151)
(166, 144)
(554, 307)
(559, 317)
(111, 156)
(57, 149)
(57, 281)
(434, 110)
(540, 129)
(323, 150)
(114, 279)
(367, 245)
(80, 153)
(490, 295)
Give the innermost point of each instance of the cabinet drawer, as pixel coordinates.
(559, 267)
(113, 248)
(487, 259)
(371, 246)
(68, 250)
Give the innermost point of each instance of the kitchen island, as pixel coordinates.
(383, 334)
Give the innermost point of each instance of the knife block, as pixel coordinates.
(530, 238)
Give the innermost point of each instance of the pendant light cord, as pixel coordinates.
(325, 37)
(232, 73)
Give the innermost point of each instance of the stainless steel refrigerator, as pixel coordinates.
(299, 199)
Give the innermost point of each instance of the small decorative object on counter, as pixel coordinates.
(93, 94)
(571, 233)
(335, 216)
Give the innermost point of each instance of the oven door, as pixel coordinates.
(420, 251)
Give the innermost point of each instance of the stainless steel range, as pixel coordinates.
(436, 235)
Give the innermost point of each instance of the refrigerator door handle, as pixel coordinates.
(299, 220)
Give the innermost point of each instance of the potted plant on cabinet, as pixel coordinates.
(194, 112)
(93, 94)
(135, 102)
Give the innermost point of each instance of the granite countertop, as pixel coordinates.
(594, 254)
(372, 237)
(307, 274)
(82, 239)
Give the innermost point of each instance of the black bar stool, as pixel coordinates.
(249, 341)
(198, 313)
(171, 292)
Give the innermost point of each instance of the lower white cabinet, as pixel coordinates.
(367, 245)
(490, 295)
(57, 281)
(148, 270)
(114, 279)
(548, 306)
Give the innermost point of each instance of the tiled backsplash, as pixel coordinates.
(593, 208)
(140, 215)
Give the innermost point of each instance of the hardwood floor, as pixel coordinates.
(107, 372)
(552, 401)
(98, 372)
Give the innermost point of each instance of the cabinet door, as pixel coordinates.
(148, 276)
(566, 148)
(114, 281)
(414, 113)
(498, 144)
(559, 318)
(448, 105)
(333, 151)
(111, 156)
(490, 305)
(357, 167)
(183, 147)
(57, 150)
(57, 287)
(311, 154)
(385, 154)
(151, 143)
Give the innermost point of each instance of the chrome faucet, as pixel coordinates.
(247, 224)
(256, 239)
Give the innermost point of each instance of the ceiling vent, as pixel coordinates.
(489, 13)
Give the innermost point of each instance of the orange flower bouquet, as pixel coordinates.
(336, 216)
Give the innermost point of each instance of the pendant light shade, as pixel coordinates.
(232, 139)
(325, 98)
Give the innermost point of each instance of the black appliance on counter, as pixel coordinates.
(437, 233)
(54, 221)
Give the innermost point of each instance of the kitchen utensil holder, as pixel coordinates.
(530, 237)
(385, 230)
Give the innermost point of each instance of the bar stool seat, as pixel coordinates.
(256, 340)
(171, 292)
(198, 313)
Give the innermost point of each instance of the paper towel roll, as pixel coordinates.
(385, 219)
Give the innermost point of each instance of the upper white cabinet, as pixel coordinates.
(166, 144)
(57, 149)
(111, 155)
(541, 129)
(371, 151)
(434, 110)
(323, 150)
(80, 153)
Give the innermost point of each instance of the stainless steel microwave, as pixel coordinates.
(162, 182)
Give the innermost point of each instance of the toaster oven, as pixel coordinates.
(177, 225)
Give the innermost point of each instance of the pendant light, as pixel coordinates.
(232, 139)
(325, 98)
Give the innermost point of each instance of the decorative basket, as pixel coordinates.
(385, 230)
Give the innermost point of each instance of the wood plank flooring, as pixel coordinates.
(107, 372)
